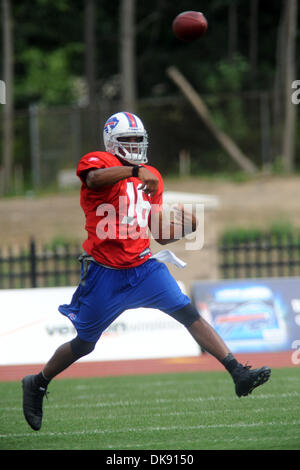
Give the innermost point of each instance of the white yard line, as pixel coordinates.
(123, 403)
(151, 429)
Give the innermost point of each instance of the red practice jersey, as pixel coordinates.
(117, 215)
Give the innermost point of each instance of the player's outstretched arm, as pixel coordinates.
(96, 178)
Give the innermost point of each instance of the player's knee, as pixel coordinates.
(81, 348)
(186, 315)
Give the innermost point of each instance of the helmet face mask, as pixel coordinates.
(124, 135)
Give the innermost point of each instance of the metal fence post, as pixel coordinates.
(33, 276)
(35, 145)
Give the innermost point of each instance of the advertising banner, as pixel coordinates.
(252, 315)
(31, 329)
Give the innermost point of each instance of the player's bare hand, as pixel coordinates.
(149, 181)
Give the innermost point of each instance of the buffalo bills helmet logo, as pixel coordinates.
(72, 316)
(111, 124)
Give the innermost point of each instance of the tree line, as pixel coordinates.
(76, 52)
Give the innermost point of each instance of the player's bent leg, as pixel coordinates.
(208, 339)
(35, 386)
(244, 378)
(66, 355)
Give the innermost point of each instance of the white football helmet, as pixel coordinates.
(121, 126)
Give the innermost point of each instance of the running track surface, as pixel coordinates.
(204, 362)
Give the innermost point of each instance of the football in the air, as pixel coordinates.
(189, 25)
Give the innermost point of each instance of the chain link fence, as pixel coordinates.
(49, 142)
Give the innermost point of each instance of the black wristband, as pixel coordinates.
(135, 170)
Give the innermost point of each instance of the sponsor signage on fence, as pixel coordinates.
(32, 328)
(252, 315)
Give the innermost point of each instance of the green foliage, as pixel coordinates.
(240, 235)
(279, 229)
(45, 31)
(48, 78)
(48, 51)
(49, 68)
(228, 75)
(60, 241)
(283, 228)
(228, 78)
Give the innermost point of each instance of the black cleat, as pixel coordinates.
(33, 402)
(247, 380)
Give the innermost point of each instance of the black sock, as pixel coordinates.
(41, 381)
(230, 363)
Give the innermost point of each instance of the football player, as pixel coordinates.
(121, 196)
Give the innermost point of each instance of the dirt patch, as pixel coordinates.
(258, 202)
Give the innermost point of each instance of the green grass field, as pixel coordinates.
(172, 412)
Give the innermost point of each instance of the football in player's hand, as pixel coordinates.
(189, 25)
